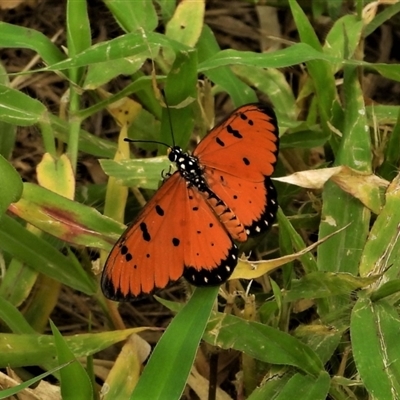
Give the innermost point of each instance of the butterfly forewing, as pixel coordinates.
(244, 145)
(238, 156)
(140, 260)
(176, 230)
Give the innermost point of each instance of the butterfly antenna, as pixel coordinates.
(145, 141)
(170, 127)
(169, 117)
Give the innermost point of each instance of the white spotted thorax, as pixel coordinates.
(188, 166)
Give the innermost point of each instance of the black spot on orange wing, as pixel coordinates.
(159, 210)
(145, 232)
(250, 133)
(220, 142)
(234, 132)
(244, 117)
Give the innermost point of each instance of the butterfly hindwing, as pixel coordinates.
(177, 233)
(253, 203)
(210, 253)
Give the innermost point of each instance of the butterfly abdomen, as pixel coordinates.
(226, 216)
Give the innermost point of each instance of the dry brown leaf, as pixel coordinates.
(43, 391)
(360, 185)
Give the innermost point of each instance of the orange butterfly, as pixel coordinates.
(221, 193)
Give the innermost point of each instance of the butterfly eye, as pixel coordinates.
(174, 153)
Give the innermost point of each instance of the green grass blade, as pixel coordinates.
(75, 382)
(165, 375)
(224, 78)
(8, 393)
(381, 252)
(10, 184)
(306, 387)
(21, 350)
(180, 95)
(340, 208)
(13, 36)
(13, 318)
(19, 109)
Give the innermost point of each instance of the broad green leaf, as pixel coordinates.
(125, 46)
(144, 173)
(381, 254)
(326, 284)
(339, 208)
(133, 15)
(343, 39)
(186, 24)
(223, 77)
(17, 241)
(374, 334)
(296, 54)
(66, 219)
(306, 387)
(261, 342)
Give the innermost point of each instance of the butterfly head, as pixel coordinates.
(174, 153)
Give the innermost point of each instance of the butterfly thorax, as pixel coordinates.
(189, 168)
